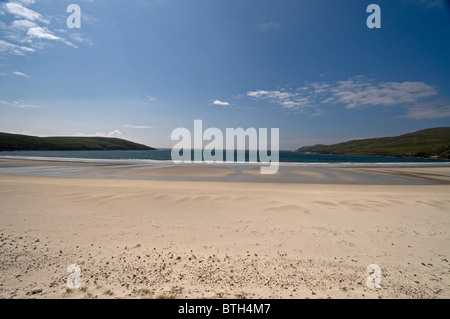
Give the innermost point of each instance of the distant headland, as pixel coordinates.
(17, 142)
(428, 143)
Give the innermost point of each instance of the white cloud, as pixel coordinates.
(218, 102)
(26, 49)
(41, 33)
(116, 134)
(20, 74)
(20, 11)
(137, 126)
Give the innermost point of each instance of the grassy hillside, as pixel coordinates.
(15, 142)
(434, 142)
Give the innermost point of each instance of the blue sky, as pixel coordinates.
(139, 69)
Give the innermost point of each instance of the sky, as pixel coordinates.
(140, 69)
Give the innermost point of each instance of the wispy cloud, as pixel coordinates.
(115, 133)
(358, 92)
(266, 26)
(45, 34)
(297, 100)
(220, 103)
(10, 48)
(23, 24)
(22, 104)
(137, 126)
(78, 37)
(25, 2)
(20, 74)
(429, 111)
(428, 3)
(41, 33)
(88, 19)
(148, 99)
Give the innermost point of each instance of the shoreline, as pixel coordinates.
(421, 160)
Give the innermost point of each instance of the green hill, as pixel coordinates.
(15, 142)
(434, 142)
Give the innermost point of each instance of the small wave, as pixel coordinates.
(281, 164)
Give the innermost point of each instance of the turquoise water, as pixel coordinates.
(164, 155)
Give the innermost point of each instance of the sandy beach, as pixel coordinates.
(141, 237)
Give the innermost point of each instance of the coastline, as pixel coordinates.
(294, 173)
(433, 157)
(148, 238)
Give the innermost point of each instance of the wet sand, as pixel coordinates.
(318, 174)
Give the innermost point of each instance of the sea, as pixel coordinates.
(164, 156)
